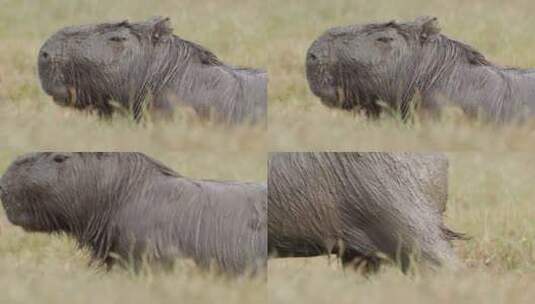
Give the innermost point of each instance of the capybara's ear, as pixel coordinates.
(122, 23)
(427, 27)
(160, 27)
(391, 23)
(60, 157)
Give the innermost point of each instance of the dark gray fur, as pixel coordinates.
(355, 67)
(130, 206)
(143, 65)
(359, 206)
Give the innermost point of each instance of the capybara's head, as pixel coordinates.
(355, 66)
(52, 191)
(37, 188)
(86, 66)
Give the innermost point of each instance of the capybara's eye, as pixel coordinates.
(385, 39)
(59, 158)
(117, 38)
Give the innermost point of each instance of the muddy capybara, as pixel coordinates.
(362, 207)
(128, 208)
(141, 66)
(359, 66)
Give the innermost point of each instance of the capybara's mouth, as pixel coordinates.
(17, 210)
(59, 93)
(324, 90)
(3, 195)
(65, 97)
(16, 213)
(336, 98)
(11, 208)
(62, 93)
(330, 96)
(10, 205)
(322, 85)
(329, 102)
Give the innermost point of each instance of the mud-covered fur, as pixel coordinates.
(361, 207)
(144, 66)
(129, 208)
(357, 67)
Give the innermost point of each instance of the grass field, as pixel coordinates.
(490, 192)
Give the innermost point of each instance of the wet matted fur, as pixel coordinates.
(143, 66)
(129, 208)
(360, 206)
(402, 63)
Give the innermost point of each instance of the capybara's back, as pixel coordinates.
(358, 205)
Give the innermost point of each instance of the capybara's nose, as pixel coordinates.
(312, 58)
(315, 54)
(45, 55)
(48, 52)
